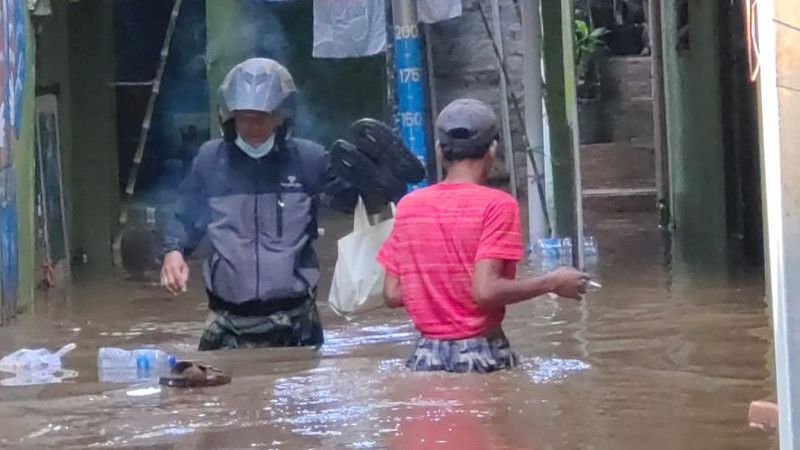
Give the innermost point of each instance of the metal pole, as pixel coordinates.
(571, 100)
(505, 116)
(532, 82)
(391, 94)
(432, 93)
(781, 195)
(410, 85)
(659, 112)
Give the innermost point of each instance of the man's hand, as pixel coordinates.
(568, 283)
(392, 296)
(175, 273)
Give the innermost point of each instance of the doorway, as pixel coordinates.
(52, 248)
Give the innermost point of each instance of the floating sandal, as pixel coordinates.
(376, 183)
(378, 141)
(188, 374)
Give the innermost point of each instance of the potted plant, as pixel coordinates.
(589, 46)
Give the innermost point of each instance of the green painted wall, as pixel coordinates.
(225, 47)
(75, 53)
(92, 108)
(24, 156)
(556, 94)
(694, 132)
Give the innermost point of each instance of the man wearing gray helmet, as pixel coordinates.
(451, 257)
(255, 194)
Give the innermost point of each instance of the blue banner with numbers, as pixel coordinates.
(411, 92)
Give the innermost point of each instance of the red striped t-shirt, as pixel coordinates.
(439, 233)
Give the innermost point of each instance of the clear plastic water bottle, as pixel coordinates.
(553, 247)
(120, 365)
(590, 246)
(558, 248)
(141, 359)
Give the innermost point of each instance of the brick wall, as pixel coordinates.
(464, 65)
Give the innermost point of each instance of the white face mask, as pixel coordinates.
(256, 152)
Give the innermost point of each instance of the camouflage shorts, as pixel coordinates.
(478, 354)
(297, 327)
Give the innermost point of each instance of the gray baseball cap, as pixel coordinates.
(467, 124)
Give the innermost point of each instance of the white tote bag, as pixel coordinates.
(358, 278)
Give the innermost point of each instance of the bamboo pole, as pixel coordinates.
(145, 131)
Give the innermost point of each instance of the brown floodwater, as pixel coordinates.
(665, 356)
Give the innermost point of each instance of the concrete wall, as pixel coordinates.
(782, 200)
(740, 138)
(694, 132)
(628, 96)
(93, 151)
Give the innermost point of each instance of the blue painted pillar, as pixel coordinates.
(409, 79)
(13, 65)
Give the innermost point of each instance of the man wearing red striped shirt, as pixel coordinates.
(451, 257)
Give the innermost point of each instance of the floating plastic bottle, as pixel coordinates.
(142, 359)
(120, 365)
(557, 248)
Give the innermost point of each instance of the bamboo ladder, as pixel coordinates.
(116, 246)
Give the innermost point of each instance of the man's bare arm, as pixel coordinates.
(489, 288)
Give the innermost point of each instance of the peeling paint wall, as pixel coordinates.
(23, 157)
(94, 181)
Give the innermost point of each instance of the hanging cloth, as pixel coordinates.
(349, 28)
(432, 11)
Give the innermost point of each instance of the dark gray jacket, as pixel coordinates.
(261, 220)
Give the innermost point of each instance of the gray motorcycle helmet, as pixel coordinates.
(257, 84)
